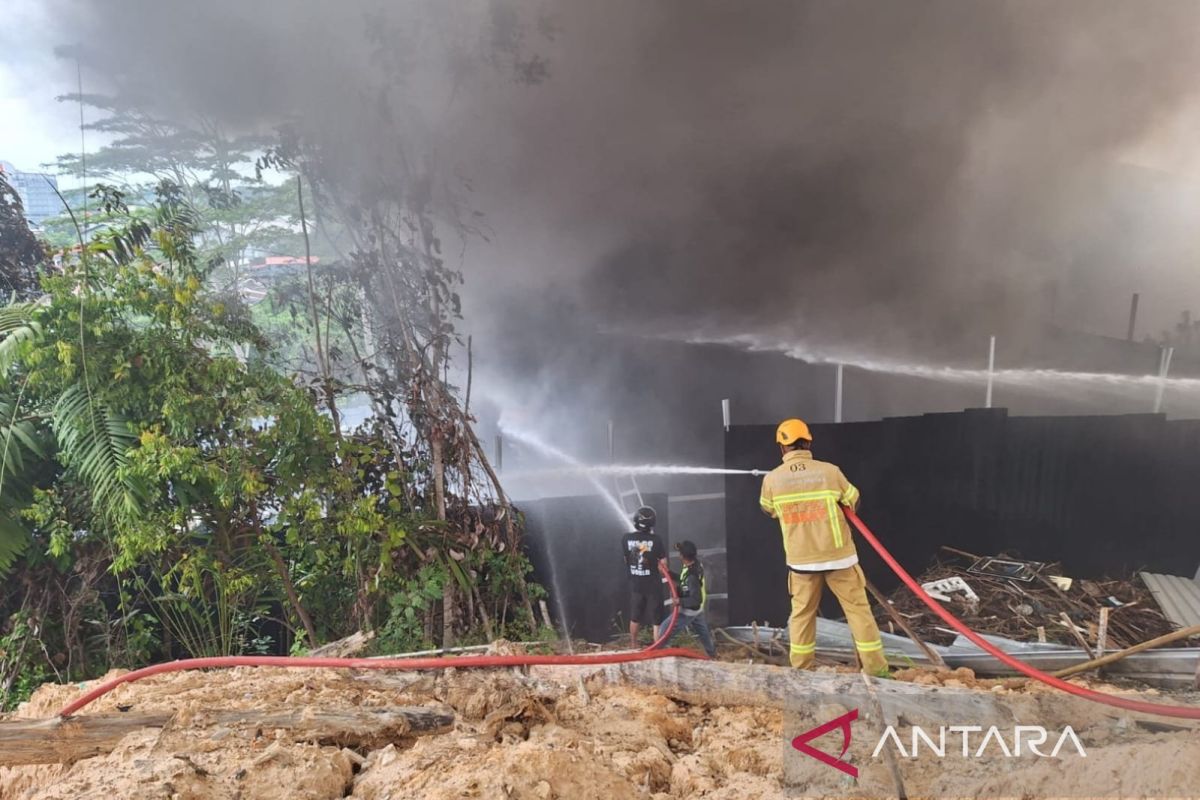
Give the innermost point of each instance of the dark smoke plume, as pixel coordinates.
(906, 177)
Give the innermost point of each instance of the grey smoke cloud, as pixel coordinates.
(745, 162)
(905, 177)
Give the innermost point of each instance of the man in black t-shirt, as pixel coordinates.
(643, 550)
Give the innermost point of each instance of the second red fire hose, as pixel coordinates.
(1184, 712)
(651, 652)
(461, 662)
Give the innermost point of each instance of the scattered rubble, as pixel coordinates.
(1030, 606)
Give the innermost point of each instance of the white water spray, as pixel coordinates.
(573, 465)
(1028, 378)
(632, 469)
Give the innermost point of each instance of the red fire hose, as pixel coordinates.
(1185, 712)
(651, 652)
(461, 662)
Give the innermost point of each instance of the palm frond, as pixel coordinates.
(18, 324)
(95, 441)
(14, 539)
(19, 438)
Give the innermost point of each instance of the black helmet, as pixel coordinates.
(644, 518)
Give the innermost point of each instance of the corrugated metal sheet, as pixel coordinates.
(1178, 597)
(1173, 668)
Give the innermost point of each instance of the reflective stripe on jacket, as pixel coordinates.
(693, 589)
(804, 495)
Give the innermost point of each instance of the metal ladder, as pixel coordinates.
(625, 495)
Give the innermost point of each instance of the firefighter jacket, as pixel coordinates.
(804, 495)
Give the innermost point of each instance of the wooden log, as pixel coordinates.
(342, 648)
(724, 683)
(64, 741)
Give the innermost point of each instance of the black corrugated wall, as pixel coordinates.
(1103, 494)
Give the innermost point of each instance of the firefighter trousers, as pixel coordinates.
(849, 586)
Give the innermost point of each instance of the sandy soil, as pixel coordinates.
(517, 737)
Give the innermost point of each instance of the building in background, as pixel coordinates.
(37, 191)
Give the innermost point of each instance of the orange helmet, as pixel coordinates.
(790, 430)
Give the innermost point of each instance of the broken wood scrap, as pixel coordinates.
(933, 655)
(348, 646)
(1102, 632)
(754, 651)
(65, 741)
(1070, 626)
(1094, 663)
(1017, 610)
(958, 552)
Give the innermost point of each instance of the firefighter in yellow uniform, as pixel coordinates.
(805, 495)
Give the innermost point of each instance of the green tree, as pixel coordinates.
(238, 212)
(213, 481)
(21, 254)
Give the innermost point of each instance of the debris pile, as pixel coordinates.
(1031, 602)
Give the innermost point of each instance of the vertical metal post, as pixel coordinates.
(725, 413)
(1133, 304)
(837, 395)
(1164, 366)
(499, 452)
(987, 403)
(612, 450)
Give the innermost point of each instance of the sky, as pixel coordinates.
(35, 127)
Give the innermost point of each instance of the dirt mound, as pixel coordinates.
(517, 736)
(513, 738)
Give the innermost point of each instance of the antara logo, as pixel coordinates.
(1024, 738)
(1032, 736)
(842, 722)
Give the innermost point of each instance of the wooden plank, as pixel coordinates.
(1102, 632)
(64, 741)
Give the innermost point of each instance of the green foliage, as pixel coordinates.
(404, 630)
(18, 325)
(20, 672)
(21, 255)
(211, 608)
(96, 440)
(22, 445)
(150, 428)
